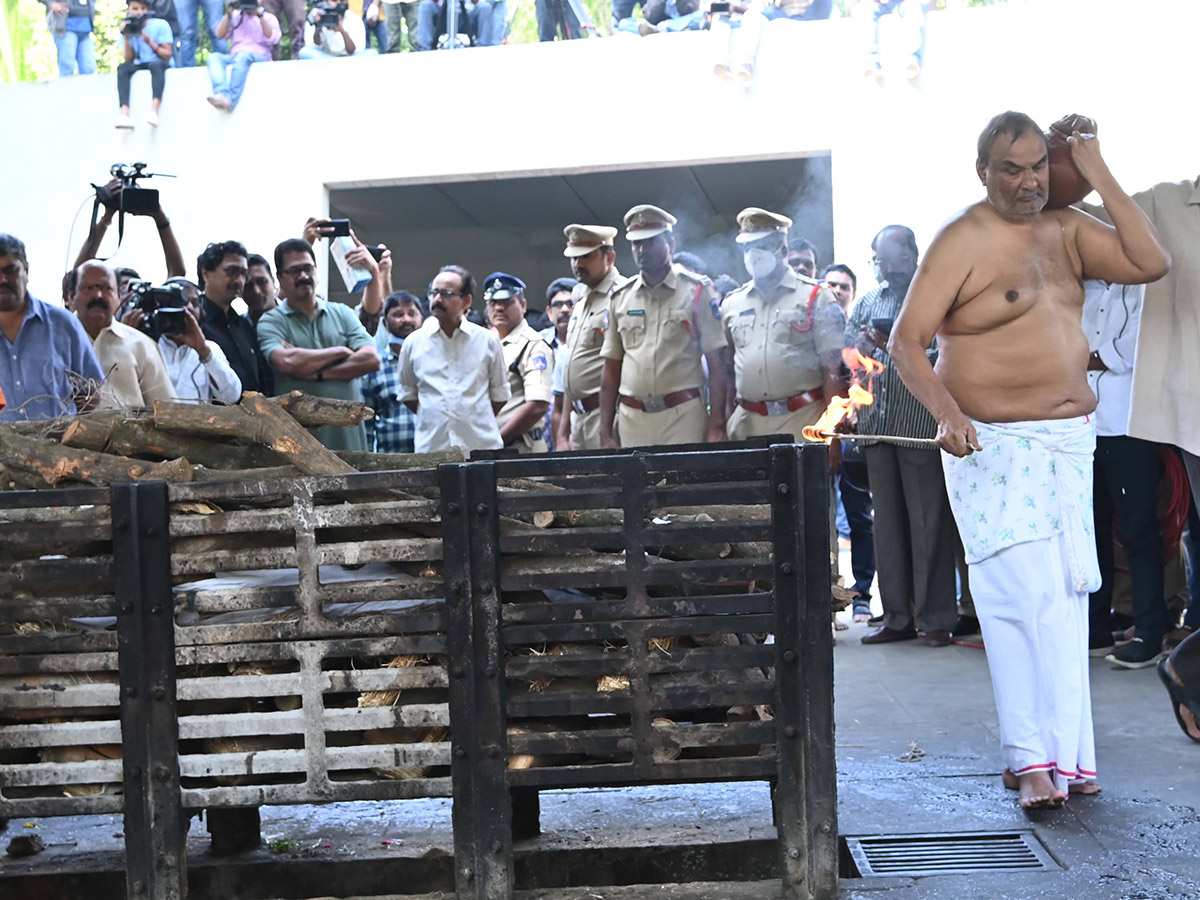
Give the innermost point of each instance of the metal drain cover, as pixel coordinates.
(951, 853)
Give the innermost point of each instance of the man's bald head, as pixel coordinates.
(896, 252)
(96, 299)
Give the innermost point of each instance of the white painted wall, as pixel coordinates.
(900, 153)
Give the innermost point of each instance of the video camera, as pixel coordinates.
(327, 14)
(246, 6)
(129, 197)
(162, 308)
(135, 24)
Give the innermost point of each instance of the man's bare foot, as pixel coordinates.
(1038, 791)
(1084, 788)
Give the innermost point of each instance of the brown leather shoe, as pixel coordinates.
(938, 638)
(885, 635)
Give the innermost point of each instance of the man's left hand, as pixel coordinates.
(1085, 153)
(192, 336)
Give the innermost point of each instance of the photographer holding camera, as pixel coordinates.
(170, 315)
(125, 178)
(252, 33)
(148, 45)
(331, 32)
(134, 372)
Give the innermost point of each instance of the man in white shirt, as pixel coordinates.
(134, 372)
(452, 372)
(331, 31)
(1127, 471)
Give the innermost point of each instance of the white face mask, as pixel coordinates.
(759, 262)
(878, 276)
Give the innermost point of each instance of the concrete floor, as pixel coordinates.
(1139, 840)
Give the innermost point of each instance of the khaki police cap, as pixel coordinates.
(756, 224)
(647, 221)
(583, 239)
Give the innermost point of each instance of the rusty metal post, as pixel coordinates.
(155, 846)
(806, 788)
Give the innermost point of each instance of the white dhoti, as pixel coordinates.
(1023, 506)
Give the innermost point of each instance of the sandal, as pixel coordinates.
(1179, 697)
(861, 608)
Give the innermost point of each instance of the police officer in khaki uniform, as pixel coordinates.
(662, 324)
(787, 333)
(590, 249)
(529, 360)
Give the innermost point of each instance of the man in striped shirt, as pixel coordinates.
(915, 537)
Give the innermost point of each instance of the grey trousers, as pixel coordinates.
(396, 14)
(915, 538)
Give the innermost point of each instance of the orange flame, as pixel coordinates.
(863, 369)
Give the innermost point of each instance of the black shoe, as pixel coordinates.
(966, 625)
(1137, 654)
(875, 621)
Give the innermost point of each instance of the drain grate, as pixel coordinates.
(944, 854)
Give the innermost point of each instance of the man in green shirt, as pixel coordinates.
(313, 345)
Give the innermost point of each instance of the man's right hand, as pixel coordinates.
(870, 340)
(956, 435)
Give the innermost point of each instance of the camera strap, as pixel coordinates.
(96, 204)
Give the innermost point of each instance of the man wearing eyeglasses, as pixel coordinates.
(222, 268)
(528, 360)
(560, 302)
(452, 372)
(313, 345)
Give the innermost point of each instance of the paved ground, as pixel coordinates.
(1140, 840)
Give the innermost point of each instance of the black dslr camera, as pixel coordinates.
(327, 14)
(135, 24)
(129, 196)
(162, 308)
(246, 6)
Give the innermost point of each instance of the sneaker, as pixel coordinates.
(123, 121)
(1101, 652)
(152, 119)
(221, 103)
(1137, 654)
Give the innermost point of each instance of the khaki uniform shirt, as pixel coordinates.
(530, 365)
(585, 336)
(779, 340)
(661, 333)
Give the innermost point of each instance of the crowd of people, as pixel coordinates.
(156, 35)
(668, 355)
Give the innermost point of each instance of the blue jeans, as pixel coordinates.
(693, 21)
(378, 31)
(75, 48)
(746, 41)
(491, 17)
(227, 72)
(188, 12)
(432, 22)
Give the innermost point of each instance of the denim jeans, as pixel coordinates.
(746, 40)
(899, 33)
(432, 21)
(188, 12)
(75, 49)
(693, 21)
(491, 17)
(227, 71)
(378, 32)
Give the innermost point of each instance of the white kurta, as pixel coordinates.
(1024, 509)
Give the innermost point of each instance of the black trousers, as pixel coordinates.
(1127, 472)
(158, 78)
(915, 536)
(856, 500)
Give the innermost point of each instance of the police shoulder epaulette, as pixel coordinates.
(687, 275)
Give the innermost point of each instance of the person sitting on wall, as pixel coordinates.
(149, 45)
(331, 32)
(252, 34)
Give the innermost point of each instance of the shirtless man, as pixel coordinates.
(1001, 287)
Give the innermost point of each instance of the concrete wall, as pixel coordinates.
(900, 153)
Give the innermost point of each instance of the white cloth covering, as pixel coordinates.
(1032, 565)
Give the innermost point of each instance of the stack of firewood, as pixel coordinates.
(182, 442)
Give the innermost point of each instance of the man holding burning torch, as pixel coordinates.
(1001, 288)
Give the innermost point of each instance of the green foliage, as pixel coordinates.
(524, 28)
